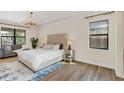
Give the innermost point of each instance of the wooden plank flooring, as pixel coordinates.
(82, 72)
(78, 72)
(8, 59)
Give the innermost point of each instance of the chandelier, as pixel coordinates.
(30, 22)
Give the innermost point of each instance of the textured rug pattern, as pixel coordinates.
(16, 71)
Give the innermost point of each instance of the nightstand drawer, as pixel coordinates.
(69, 51)
(69, 55)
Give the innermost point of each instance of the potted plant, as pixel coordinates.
(34, 42)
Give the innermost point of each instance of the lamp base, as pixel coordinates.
(69, 48)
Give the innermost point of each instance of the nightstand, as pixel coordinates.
(69, 55)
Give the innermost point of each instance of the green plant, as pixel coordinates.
(34, 42)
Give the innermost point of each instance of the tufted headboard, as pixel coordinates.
(58, 39)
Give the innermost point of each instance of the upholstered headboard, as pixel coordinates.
(58, 39)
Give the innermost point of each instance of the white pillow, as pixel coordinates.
(56, 47)
(8, 48)
(48, 46)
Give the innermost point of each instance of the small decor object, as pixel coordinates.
(69, 48)
(34, 42)
(69, 44)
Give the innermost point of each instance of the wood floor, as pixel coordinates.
(82, 72)
(8, 59)
(78, 72)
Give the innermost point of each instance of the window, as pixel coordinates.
(20, 36)
(99, 35)
(10, 36)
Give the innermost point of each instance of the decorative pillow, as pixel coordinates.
(61, 46)
(16, 47)
(48, 46)
(7, 48)
(56, 47)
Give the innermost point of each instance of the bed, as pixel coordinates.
(37, 59)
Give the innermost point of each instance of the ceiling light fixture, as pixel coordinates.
(30, 23)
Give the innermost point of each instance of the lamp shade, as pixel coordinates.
(44, 40)
(69, 42)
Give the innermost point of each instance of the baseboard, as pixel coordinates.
(88, 62)
(119, 75)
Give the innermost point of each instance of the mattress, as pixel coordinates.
(37, 59)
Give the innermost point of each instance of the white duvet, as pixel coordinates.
(38, 56)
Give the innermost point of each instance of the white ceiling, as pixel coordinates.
(42, 17)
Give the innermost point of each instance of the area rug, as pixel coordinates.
(16, 71)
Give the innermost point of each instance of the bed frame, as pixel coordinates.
(51, 39)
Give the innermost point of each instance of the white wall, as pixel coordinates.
(30, 32)
(77, 29)
(119, 44)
